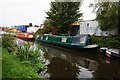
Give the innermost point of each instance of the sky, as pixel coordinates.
(23, 12)
(88, 13)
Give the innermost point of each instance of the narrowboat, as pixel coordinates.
(82, 41)
(25, 35)
(113, 53)
(26, 32)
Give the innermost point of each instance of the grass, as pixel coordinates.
(0, 63)
(13, 68)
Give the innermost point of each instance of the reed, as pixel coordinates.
(29, 55)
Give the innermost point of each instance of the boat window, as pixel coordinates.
(83, 39)
(64, 39)
(46, 38)
(41, 37)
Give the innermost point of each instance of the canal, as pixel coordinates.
(67, 63)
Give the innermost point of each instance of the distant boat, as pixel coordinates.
(25, 35)
(26, 32)
(113, 53)
(79, 42)
(23, 28)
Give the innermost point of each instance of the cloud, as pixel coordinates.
(87, 11)
(17, 12)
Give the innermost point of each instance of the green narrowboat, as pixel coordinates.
(82, 41)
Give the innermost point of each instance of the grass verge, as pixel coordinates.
(0, 63)
(13, 68)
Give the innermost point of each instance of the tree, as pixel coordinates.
(30, 25)
(15, 26)
(108, 16)
(63, 14)
(47, 28)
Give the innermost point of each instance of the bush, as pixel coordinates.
(0, 42)
(8, 42)
(113, 42)
(29, 55)
(109, 41)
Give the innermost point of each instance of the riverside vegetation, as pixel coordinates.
(107, 41)
(19, 61)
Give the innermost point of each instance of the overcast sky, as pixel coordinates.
(23, 12)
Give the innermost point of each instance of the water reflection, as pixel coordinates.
(108, 69)
(62, 69)
(20, 41)
(62, 64)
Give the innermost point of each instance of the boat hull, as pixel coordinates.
(25, 36)
(113, 53)
(90, 50)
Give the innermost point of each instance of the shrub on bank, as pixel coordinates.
(107, 41)
(8, 42)
(29, 55)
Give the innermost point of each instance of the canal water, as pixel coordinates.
(76, 64)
